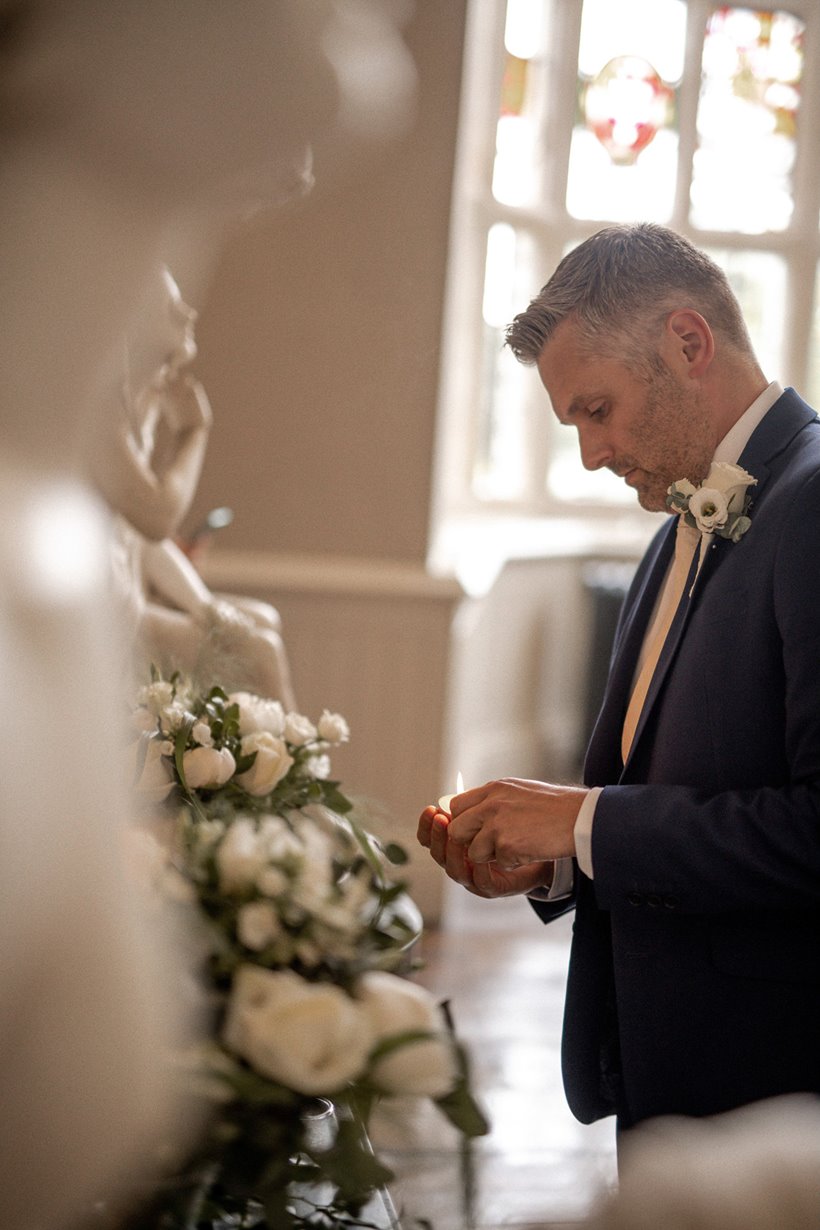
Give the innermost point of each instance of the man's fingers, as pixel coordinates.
(438, 837)
(458, 865)
(468, 798)
(425, 825)
(464, 827)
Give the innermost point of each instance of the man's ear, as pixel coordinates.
(690, 341)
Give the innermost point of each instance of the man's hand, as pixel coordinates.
(482, 879)
(514, 822)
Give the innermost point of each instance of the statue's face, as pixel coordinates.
(200, 100)
(181, 323)
(159, 344)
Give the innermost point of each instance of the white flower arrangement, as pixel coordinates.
(718, 505)
(305, 928)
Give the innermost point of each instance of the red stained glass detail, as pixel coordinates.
(625, 106)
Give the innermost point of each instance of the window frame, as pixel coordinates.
(551, 229)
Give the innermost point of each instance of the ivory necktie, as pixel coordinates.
(686, 540)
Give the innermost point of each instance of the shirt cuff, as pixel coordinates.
(563, 882)
(583, 831)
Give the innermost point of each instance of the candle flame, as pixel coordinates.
(459, 784)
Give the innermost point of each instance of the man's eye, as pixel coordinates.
(596, 412)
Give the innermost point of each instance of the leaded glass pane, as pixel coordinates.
(623, 157)
(747, 121)
(516, 164)
(500, 469)
(759, 281)
(812, 391)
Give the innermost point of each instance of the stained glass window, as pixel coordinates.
(623, 157)
(747, 121)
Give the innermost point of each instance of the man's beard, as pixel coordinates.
(683, 425)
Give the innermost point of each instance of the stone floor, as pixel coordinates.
(504, 974)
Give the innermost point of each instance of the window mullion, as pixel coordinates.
(688, 95)
(561, 75)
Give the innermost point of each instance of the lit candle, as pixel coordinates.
(446, 799)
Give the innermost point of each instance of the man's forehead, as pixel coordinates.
(573, 379)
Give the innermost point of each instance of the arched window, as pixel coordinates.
(576, 113)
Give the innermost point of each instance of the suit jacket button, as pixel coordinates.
(635, 898)
(671, 903)
(653, 899)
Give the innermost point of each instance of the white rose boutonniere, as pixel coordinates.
(718, 505)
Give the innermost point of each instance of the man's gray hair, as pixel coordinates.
(619, 285)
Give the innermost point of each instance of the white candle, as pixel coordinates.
(446, 799)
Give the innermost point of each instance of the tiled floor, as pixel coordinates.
(503, 973)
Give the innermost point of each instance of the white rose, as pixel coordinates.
(257, 924)
(311, 1037)
(156, 776)
(317, 875)
(333, 727)
(172, 717)
(732, 481)
(345, 912)
(272, 882)
(257, 713)
(280, 843)
(201, 734)
(710, 509)
(155, 696)
(207, 768)
(208, 832)
(393, 1006)
(299, 729)
(240, 857)
(272, 762)
(309, 953)
(318, 767)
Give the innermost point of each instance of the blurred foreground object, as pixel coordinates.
(130, 134)
(751, 1169)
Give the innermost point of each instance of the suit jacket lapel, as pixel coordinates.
(695, 579)
(789, 415)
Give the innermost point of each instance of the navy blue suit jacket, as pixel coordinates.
(694, 981)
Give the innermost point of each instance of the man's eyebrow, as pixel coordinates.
(575, 406)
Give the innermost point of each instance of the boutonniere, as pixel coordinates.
(717, 505)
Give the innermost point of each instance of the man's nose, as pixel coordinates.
(595, 452)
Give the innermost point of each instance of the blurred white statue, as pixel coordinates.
(749, 1169)
(147, 464)
(130, 134)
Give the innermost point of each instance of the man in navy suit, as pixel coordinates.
(692, 852)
